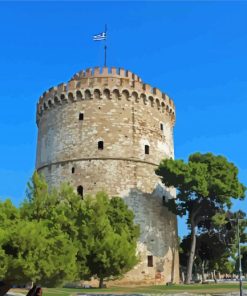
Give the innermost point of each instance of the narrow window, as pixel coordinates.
(150, 261)
(81, 116)
(100, 145)
(73, 170)
(146, 149)
(164, 200)
(80, 191)
(161, 126)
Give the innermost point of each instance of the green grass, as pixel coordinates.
(197, 288)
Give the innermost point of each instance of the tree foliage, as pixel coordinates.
(217, 244)
(205, 186)
(113, 237)
(57, 236)
(33, 251)
(38, 253)
(243, 259)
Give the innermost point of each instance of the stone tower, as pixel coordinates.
(107, 130)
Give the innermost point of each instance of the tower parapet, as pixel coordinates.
(105, 83)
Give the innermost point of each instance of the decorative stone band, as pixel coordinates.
(106, 84)
(95, 158)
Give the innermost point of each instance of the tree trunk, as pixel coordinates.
(214, 275)
(192, 254)
(203, 271)
(4, 288)
(182, 276)
(101, 282)
(31, 292)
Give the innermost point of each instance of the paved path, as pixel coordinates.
(165, 294)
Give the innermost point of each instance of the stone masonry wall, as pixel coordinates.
(126, 115)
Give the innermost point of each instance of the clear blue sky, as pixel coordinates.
(194, 51)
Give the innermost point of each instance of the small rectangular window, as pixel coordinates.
(146, 149)
(81, 116)
(100, 145)
(161, 126)
(150, 261)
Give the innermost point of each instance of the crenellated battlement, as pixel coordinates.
(105, 83)
(106, 72)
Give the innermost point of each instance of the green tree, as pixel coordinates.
(205, 186)
(33, 251)
(122, 219)
(113, 237)
(211, 253)
(63, 209)
(57, 236)
(101, 228)
(243, 259)
(224, 230)
(8, 217)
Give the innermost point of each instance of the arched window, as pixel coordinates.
(144, 98)
(157, 104)
(116, 94)
(56, 100)
(135, 96)
(100, 145)
(125, 94)
(97, 94)
(146, 149)
(107, 94)
(73, 170)
(87, 94)
(163, 106)
(70, 96)
(78, 95)
(80, 191)
(151, 101)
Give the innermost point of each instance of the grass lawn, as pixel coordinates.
(197, 288)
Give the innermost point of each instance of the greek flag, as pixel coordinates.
(99, 37)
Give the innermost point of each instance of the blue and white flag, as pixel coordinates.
(99, 37)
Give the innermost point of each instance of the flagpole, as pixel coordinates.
(105, 56)
(105, 46)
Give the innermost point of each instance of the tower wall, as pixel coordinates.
(126, 115)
